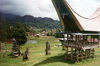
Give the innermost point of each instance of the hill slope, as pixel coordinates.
(37, 22)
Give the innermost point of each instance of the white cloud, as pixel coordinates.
(38, 8)
(45, 8)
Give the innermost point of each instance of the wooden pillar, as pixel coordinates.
(86, 54)
(63, 45)
(87, 40)
(80, 43)
(93, 40)
(67, 53)
(82, 53)
(92, 53)
(83, 41)
(67, 40)
(89, 53)
(76, 41)
(77, 56)
(72, 54)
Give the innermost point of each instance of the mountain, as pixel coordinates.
(37, 22)
(7, 16)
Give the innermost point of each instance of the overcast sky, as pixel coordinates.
(45, 8)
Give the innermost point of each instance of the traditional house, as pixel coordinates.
(44, 33)
(30, 34)
(82, 33)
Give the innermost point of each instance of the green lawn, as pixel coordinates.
(37, 55)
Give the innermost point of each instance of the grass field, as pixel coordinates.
(37, 55)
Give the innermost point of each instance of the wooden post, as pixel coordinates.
(67, 53)
(93, 40)
(92, 53)
(89, 52)
(85, 54)
(75, 40)
(77, 56)
(71, 53)
(67, 40)
(82, 53)
(63, 43)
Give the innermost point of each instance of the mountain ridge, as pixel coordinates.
(38, 22)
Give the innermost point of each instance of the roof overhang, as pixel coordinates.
(84, 24)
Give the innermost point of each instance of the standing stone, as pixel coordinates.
(25, 56)
(47, 50)
(15, 48)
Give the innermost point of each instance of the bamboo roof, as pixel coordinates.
(72, 21)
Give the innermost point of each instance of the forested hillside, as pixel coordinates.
(37, 22)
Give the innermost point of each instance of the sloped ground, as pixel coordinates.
(37, 55)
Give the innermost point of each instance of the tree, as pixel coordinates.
(33, 30)
(3, 33)
(19, 33)
(27, 27)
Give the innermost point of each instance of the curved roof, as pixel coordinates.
(91, 23)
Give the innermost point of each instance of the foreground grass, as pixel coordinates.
(37, 55)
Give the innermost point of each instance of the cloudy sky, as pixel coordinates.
(45, 8)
